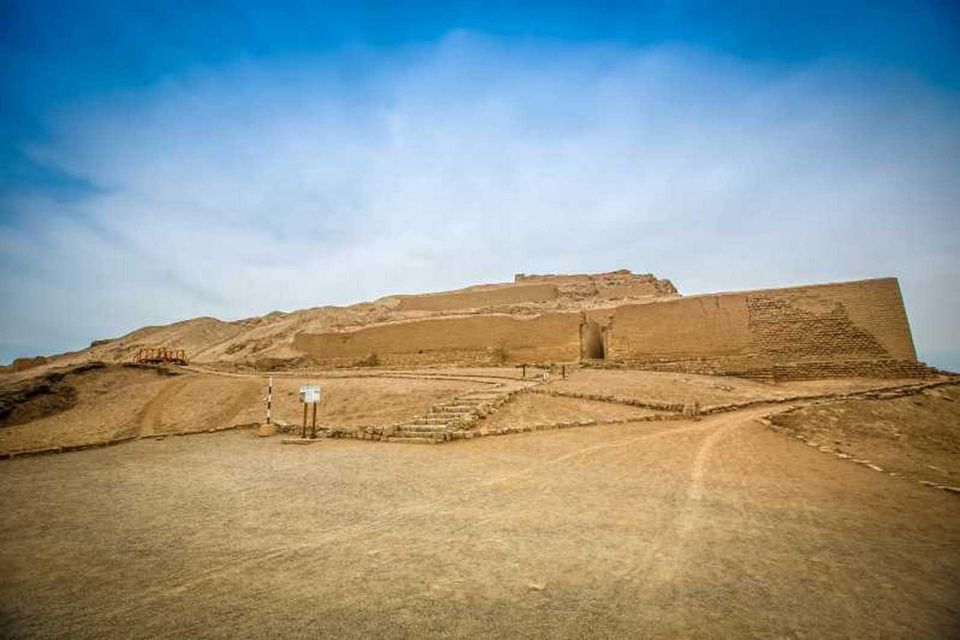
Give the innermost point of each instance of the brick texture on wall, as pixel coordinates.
(550, 337)
(757, 330)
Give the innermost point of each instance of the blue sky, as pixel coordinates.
(166, 160)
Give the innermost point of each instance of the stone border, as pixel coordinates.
(549, 426)
(376, 433)
(599, 397)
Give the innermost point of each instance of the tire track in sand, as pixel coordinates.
(386, 522)
(246, 396)
(148, 419)
(662, 561)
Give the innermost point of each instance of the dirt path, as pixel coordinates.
(148, 420)
(227, 414)
(718, 528)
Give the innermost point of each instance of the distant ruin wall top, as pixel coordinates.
(612, 284)
(544, 293)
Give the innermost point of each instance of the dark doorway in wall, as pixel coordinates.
(591, 341)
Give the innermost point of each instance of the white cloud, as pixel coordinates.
(297, 182)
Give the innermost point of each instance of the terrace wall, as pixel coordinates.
(744, 331)
(552, 337)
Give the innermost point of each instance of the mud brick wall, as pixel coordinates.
(852, 368)
(851, 328)
(511, 294)
(549, 337)
(863, 320)
(463, 357)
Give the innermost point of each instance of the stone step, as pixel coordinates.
(437, 413)
(413, 440)
(457, 408)
(443, 418)
(422, 428)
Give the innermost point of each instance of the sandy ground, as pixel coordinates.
(534, 409)
(917, 436)
(718, 528)
(353, 402)
(707, 390)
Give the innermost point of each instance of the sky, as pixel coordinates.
(161, 161)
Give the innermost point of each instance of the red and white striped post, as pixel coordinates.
(269, 398)
(267, 429)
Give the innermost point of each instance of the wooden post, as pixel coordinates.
(303, 431)
(523, 371)
(563, 371)
(313, 426)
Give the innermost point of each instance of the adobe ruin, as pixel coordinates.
(856, 328)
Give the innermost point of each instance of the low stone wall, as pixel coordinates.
(632, 402)
(549, 426)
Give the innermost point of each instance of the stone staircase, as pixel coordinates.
(460, 413)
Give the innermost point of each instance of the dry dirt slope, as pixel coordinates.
(917, 436)
(96, 403)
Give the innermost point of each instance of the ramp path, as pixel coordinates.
(715, 528)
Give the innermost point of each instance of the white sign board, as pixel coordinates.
(309, 393)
